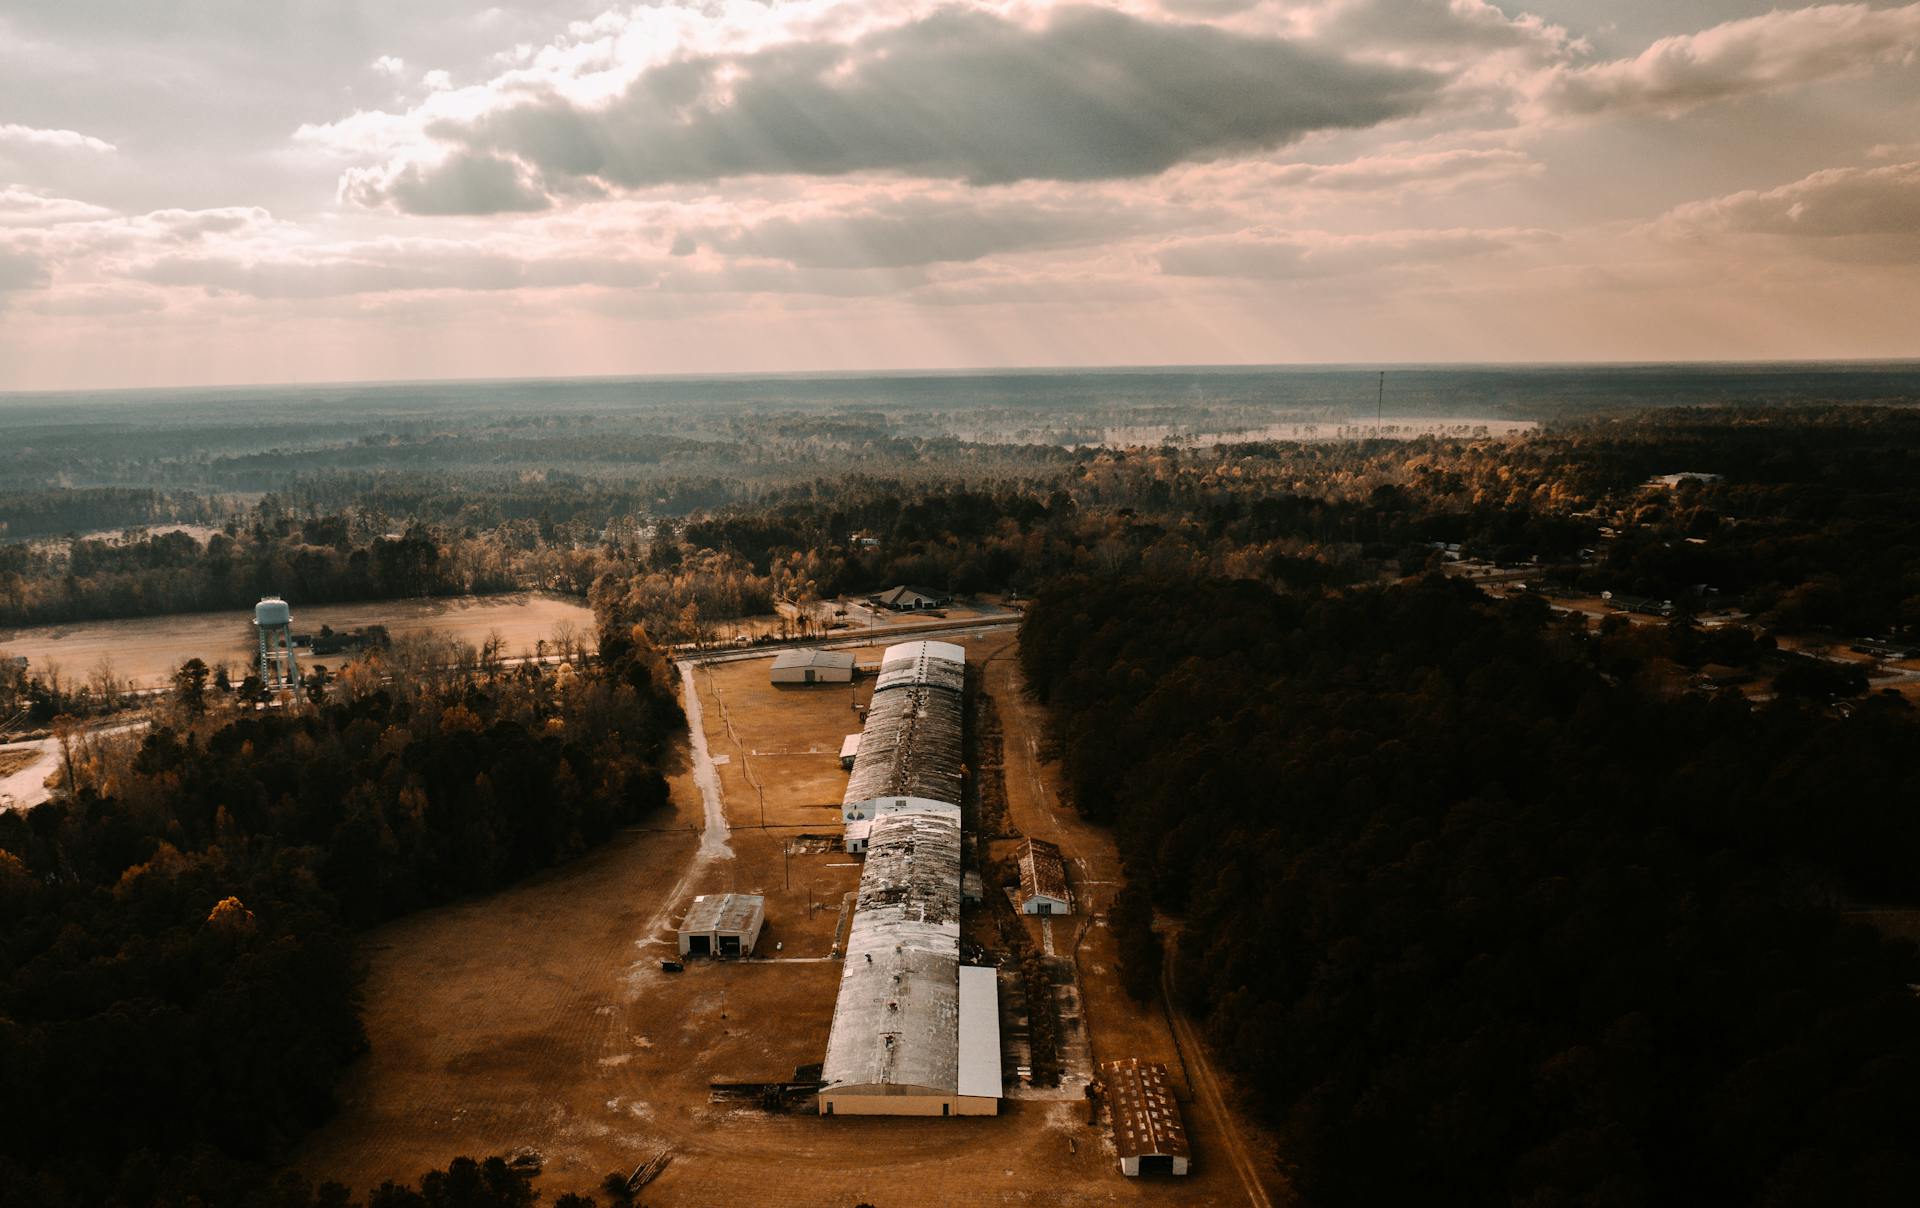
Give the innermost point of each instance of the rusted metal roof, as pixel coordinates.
(897, 1018)
(1042, 873)
(1146, 1117)
(910, 747)
(724, 912)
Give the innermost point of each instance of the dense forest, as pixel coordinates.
(1805, 519)
(1450, 892)
(1455, 880)
(316, 559)
(177, 984)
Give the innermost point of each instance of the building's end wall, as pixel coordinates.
(750, 938)
(1131, 1166)
(890, 1101)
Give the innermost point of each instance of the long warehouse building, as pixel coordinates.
(910, 749)
(914, 1032)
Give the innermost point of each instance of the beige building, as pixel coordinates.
(812, 667)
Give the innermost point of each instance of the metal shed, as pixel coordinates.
(1043, 879)
(723, 924)
(812, 667)
(1148, 1133)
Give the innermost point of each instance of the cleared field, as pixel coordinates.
(540, 1016)
(24, 768)
(144, 652)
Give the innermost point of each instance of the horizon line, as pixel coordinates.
(1151, 367)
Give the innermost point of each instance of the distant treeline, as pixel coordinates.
(312, 559)
(47, 512)
(1480, 922)
(1813, 523)
(178, 990)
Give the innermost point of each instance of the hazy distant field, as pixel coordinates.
(146, 651)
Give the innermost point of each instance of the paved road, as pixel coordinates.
(898, 633)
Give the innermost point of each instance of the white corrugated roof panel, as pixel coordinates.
(979, 1031)
(923, 664)
(787, 659)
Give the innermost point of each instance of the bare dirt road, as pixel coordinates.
(1206, 1084)
(1234, 1159)
(24, 768)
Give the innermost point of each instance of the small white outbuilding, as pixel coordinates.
(1043, 879)
(812, 667)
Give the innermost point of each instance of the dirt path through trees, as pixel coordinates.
(1118, 1026)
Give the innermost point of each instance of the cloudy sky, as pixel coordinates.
(197, 191)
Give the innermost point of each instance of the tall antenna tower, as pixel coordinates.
(278, 666)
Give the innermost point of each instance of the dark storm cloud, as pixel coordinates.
(1092, 95)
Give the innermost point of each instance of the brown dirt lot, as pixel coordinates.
(540, 1017)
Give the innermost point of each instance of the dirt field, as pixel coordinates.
(540, 1017)
(24, 769)
(145, 652)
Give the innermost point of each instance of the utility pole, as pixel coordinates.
(1380, 404)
